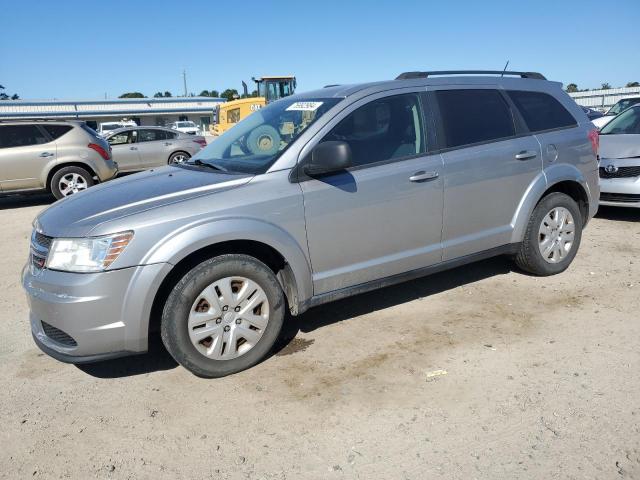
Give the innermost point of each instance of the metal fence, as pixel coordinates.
(604, 99)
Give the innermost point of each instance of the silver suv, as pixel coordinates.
(64, 157)
(316, 197)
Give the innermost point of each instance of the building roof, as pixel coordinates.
(106, 108)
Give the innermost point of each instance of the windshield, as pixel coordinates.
(257, 141)
(628, 122)
(622, 105)
(185, 124)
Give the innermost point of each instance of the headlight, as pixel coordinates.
(87, 254)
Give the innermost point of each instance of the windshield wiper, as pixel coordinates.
(213, 166)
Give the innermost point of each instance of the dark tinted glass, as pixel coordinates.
(472, 116)
(151, 135)
(56, 131)
(20, 136)
(541, 111)
(382, 130)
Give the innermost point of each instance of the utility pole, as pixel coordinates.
(184, 79)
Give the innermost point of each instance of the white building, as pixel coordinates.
(144, 111)
(604, 99)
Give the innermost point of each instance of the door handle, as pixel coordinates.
(167, 144)
(526, 155)
(422, 175)
(133, 148)
(47, 154)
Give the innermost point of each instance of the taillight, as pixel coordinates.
(103, 153)
(201, 141)
(594, 137)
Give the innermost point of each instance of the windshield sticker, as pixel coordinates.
(304, 106)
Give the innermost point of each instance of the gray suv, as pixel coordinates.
(63, 157)
(316, 197)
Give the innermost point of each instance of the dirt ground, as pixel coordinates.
(541, 382)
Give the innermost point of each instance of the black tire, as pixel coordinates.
(54, 183)
(172, 159)
(529, 258)
(264, 140)
(175, 315)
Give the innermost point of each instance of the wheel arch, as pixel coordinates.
(563, 178)
(58, 166)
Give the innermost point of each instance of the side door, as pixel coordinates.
(125, 150)
(489, 162)
(154, 147)
(25, 150)
(555, 128)
(382, 216)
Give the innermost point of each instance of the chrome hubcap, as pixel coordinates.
(179, 159)
(228, 318)
(556, 234)
(72, 183)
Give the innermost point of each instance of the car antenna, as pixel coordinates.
(505, 68)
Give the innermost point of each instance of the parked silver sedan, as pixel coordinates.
(139, 148)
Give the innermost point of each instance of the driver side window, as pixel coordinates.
(385, 129)
(120, 138)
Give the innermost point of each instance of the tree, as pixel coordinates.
(167, 94)
(209, 93)
(4, 96)
(633, 84)
(605, 86)
(132, 95)
(157, 95)
(230, 94)
(572, 87)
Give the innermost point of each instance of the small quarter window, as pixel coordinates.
(541, 111)
(56, 131)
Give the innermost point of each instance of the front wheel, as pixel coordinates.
(223, 316)
(552, 237)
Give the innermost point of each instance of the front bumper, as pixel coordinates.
(88, 317)
(620, 192)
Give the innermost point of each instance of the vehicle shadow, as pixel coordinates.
(375, 300)
(20, 200)
(620, 214)
(158, 359)
(155, 359)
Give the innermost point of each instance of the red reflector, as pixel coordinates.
(103, 153)
(594, 137)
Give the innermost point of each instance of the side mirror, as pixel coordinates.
(328, 157)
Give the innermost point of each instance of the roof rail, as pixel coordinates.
(411, 75)
(332, 85)
(18, 120)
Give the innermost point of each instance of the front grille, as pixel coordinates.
(58, 335)
(40, 245)
(620, 197)
(622, 172)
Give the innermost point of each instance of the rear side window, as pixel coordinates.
(474, 116)
(56, 131)
(20, 136)
(541, 111)
(151, 135)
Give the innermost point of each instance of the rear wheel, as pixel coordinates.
(70, 180)
(553, 236)
(178, 158)
(223, 316)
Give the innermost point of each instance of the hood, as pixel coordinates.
(77, 215)
(619, 146)
(602, 121)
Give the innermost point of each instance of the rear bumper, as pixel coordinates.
(80, 318)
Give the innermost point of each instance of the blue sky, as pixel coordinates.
(82, 49)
